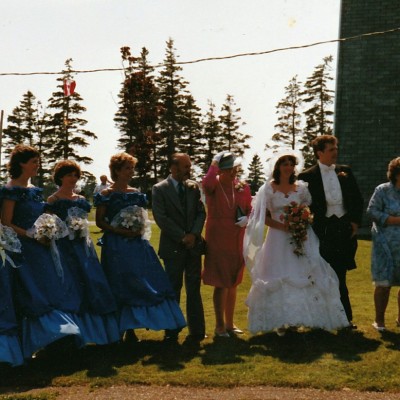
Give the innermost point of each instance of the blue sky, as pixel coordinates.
(40, 35)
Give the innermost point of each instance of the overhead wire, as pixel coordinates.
(361, 36)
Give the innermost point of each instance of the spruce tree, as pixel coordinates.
(172, 91)
(319, 97)
(289, 117)
(137, 115)
(230, 121)
(191, 140)
(256, 175)
(212, 136)
(66, 124)
(28, 125)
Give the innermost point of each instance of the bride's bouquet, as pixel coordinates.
(77, 223)
(134, 218)
(298, 218)
(8, 241)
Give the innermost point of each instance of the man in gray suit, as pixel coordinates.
(180, 214)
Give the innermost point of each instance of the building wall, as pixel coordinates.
(367, 114)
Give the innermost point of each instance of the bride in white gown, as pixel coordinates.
(287, 290)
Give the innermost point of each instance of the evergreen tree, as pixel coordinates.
(256, 175)
(66, 125)
(230, 124)
(289, 117)
(172, 98)
(137, 115)
(319, 97)
(212, 136)
(191, 141)
(28, 125)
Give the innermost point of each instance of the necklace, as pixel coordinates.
(226, 197)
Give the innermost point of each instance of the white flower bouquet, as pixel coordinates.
(8, 241)
(77, 223)
(133, 218)
(49, 226)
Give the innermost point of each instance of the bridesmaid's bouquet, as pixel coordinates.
(298, 218)
(77, 223)
(48, 227)
(8, 241)
(134, 218)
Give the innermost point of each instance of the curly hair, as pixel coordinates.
(393, 170)
(63, 168)
(117, 161)
(276, 173)
(319, 143)
(21, 154)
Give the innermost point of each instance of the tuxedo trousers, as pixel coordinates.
(338, 247)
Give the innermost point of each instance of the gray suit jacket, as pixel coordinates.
(174, 220)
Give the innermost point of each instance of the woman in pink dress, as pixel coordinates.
(228, 205)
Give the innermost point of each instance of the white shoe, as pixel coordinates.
(378, 328)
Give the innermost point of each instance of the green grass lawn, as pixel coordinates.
(363, 360)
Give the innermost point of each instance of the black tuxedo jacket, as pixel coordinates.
(352, 198)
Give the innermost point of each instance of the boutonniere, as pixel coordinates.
(342, 174)
(239, 186)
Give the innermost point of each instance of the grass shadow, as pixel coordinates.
(306, 347)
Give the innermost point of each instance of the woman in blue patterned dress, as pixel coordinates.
(384, 209)
(140, 285)
(98, 323)
(10, 347)
(47, 299)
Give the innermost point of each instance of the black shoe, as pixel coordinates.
(349, 328)
(130, 337)
(195, 337)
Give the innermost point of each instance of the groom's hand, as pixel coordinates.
(354, 229)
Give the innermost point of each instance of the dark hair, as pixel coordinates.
(393, 170)
(174, 160)
(319, 143)
(117, 161)
(63, 168)
(276, 174)
(21, 154)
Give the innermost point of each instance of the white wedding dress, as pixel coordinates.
(289, 290)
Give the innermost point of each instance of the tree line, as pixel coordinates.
(157, 116)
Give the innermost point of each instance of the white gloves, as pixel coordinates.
(242, 222)
(218, 156)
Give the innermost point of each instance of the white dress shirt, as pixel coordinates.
(333, 191)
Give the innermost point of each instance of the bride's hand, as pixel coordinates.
(285, 227)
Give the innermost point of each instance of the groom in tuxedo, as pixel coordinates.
(337, 206)
(180, 215)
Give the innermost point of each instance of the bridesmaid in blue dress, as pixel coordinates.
(47, 303)
(10, 347)
(140, 285)
(98, 322)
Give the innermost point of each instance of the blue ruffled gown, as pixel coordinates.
(47, 304)
(98, 319)
(140, 285)
(10, 347)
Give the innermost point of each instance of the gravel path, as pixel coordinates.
(172, 393)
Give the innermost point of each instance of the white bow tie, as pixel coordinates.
(327, 167)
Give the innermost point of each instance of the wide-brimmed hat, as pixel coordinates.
(228, 161)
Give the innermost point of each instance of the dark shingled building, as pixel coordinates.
(367, 114)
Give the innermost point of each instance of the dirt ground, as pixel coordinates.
(172, 392)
